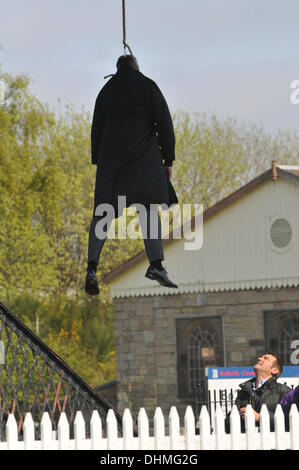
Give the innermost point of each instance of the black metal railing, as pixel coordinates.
(202, 396)
(33, 378)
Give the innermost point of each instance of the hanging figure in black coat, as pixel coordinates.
(132, 133)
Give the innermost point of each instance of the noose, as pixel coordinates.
(124, 33)
(124, 29)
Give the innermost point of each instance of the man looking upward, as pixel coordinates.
(262, 389)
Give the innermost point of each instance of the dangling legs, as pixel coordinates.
(150, 223)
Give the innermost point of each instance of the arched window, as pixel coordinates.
(289, 333)
(200, 344)
(202, 352)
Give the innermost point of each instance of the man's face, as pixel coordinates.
(265, 365)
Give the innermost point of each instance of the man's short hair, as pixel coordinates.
(127, 60)
(277, 363)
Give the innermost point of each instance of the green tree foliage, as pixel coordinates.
(215, 157)
(24, 244)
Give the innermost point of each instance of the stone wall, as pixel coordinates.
(145, 339)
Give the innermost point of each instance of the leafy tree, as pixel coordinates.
(70, 347)
(215, 157)
(24, 246)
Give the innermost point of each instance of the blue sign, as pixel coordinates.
(216, 373)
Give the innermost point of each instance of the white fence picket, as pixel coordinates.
(128, 430)
(279, 424)
(79, 431)
(189, 421)
(159, 429)
(143, 429)
(176, 439)
(12, 432)
(294, 427)
(235, 429)
(46, 432)
(251, 443)
(174, 429)
(220, 436)
(112, 433)
(28, 427)
(63, 432)
(265, 436)
(96, 431)
(204, 429)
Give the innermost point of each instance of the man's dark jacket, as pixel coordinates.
(270, 394)
(132, 133)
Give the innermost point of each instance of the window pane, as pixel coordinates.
(200, 340)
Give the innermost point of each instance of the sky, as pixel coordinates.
(231, 57)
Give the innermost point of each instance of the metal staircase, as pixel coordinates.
(33, 378)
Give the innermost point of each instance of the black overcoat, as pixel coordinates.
(132, 133)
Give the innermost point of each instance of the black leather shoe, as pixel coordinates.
(91, 283)
(160, 276)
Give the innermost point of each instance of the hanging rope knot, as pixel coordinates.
(127, 45)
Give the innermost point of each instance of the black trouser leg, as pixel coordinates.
(151, 222)
(96, 244)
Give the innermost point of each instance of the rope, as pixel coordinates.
(124, 25)
(124, 29)
(124, 34)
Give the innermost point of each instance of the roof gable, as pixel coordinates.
(273, 173)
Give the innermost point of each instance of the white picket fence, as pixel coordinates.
(210, 437)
